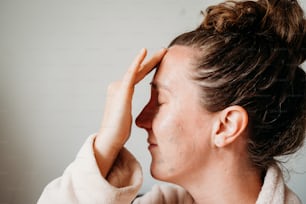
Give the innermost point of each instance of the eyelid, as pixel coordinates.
(159, 104)
(159, 86)
(160, 100)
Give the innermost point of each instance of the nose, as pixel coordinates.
(144, 119)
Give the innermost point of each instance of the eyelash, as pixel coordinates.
(158, 100)
(159, 103)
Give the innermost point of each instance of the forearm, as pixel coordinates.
(82, 182)
(105, 154)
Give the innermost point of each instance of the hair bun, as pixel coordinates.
(282, 19)
(232, 16)
(286, 19)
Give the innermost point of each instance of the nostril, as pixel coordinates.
(144, 119)
(140, 119)
(137, 121)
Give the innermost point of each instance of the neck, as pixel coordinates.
(229, 188)
(229, 181)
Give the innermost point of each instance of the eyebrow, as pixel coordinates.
(158, 85)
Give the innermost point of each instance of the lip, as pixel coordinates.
(152, 144)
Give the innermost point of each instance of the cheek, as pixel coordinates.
(165, 123)
(170, 132)
(180, 131)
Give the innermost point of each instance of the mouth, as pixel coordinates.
(152, 144)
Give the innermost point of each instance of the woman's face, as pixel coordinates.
(179, 129)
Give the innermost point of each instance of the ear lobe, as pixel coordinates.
(233, 122)
(219, 141)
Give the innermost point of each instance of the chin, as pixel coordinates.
(162, 174)
(157, 173)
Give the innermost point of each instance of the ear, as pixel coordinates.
(231, 123)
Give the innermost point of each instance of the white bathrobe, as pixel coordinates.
(82, 183)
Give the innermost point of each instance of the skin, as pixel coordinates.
(203, 152)
(178, 129)
(117, 119)
(192, 147)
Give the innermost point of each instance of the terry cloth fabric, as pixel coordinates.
(82, 183)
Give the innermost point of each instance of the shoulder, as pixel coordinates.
(275, 190)
(165, 194)
(291, 197)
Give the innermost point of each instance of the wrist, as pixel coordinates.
(105, 154)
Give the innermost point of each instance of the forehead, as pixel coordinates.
(175, 66)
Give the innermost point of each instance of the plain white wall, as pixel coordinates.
(56, 59)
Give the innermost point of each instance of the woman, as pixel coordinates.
(226, 99)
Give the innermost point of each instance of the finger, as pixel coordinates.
(130, 75)
(150, 65)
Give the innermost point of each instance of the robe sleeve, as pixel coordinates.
(83, 183)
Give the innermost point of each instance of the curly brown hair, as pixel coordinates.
(249, 54)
